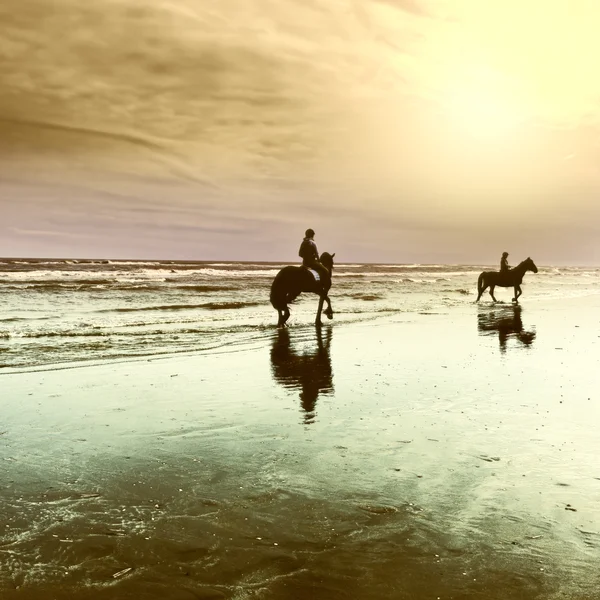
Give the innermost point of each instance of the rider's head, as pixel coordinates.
(504, 254)
(309, 233)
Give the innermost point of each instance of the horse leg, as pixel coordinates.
(318, 319)
(492, 288)
(518, 292)
(329, 310)
(485, 287)
(284, 315)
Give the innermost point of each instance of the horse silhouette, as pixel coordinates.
(511, 278)
(307, 368)
(290, 282)
(508, 323)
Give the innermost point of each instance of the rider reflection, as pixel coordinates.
(304, 366)
(508, 323)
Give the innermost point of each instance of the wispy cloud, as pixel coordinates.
(49, 233)
(410, 6)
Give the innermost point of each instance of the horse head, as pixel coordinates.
(326, 260)
(530, 265)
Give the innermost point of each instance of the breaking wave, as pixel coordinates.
(204, 305)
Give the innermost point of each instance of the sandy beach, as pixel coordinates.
(447, 454)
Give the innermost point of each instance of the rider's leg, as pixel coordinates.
(318, 267)
(321, 270)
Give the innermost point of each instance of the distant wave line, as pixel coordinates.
(206, 305)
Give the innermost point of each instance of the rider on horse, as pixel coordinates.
(310, 255)
(504, 268)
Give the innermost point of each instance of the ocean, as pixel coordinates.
(60, 312)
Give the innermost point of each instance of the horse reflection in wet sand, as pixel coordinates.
(508, 323)
(512, 278)
(304, 364)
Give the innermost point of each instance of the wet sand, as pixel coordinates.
(447, 455)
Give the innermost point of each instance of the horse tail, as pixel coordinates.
(278, 295)
(480, 283)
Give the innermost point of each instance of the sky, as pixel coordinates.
(401, 131)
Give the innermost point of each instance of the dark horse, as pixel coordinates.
(290, 282)
(512, 278)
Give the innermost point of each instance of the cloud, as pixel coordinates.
(217, 97)
(410, 6)
(191, 118)
(47, 233)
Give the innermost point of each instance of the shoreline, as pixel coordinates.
(77, 313)
(537, 304)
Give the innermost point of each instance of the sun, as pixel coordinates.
(483, 107)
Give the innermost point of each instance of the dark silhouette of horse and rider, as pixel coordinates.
(303, 365)
(313, 276)
(316, 272)
(506, 277)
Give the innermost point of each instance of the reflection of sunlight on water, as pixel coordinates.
(300, 362)
(506, 321)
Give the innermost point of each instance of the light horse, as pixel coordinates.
(511, 278)
(290, 282)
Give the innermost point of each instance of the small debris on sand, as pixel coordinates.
(122, 572)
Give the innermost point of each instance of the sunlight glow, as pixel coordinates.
(483, 105)
(486, 58)
(481, 114)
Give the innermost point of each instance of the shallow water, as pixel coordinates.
(61, 311)
(415, 456)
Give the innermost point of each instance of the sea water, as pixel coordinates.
(63, 311)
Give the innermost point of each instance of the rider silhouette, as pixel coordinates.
(504, 268)
(310, 255)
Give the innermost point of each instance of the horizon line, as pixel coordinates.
(266, 262)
